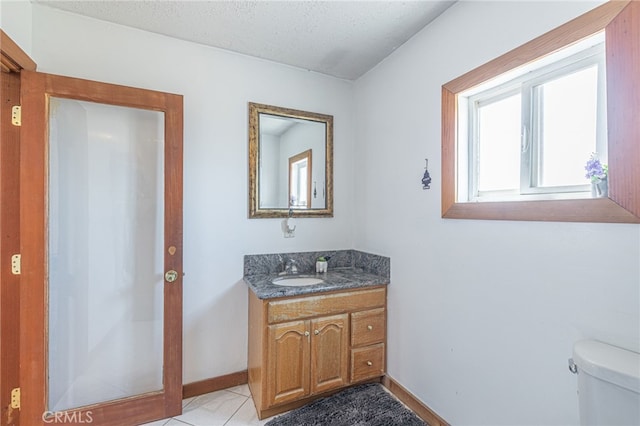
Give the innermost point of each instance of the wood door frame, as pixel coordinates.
(304, 155)
(33, 291)
(12, 60)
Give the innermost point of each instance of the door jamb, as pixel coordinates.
(13, 60)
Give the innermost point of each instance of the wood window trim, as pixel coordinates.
(620, 20)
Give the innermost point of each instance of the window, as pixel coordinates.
(530, 136)
(499, 92)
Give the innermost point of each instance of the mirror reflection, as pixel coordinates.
(300, 177)
(290, 162)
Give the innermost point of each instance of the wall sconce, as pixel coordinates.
(426, 179)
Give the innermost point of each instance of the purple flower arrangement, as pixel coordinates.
(596, 171)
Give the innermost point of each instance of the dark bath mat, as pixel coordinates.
(363, 405)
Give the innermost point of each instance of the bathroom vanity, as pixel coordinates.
(307, 341)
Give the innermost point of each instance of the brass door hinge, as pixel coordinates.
(16, 261)
(16, 115)
(15, 398)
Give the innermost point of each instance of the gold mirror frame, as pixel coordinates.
(619, 21)
(255, 211)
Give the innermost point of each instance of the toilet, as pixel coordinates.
(608, 384)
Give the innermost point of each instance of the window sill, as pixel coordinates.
(586, 210)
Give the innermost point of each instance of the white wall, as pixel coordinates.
(217, 87)
(15, 21)
(269, 168)
(482, 314)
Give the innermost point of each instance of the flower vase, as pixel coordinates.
(321, 266)
(600, 188)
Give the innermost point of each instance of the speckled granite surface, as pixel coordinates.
(347, 269)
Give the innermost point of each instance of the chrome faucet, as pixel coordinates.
(290, 267)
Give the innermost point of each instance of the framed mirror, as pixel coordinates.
(290, 163)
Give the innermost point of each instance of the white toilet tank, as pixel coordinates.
(608, 384)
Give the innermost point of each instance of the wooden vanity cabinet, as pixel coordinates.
(304, 346)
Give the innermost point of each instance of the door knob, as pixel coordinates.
(171, 276)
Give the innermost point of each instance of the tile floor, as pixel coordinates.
(229, 407)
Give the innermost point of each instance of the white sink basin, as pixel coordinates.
(296, 281)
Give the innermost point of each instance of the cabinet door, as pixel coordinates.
(288, 372)
(329, 352)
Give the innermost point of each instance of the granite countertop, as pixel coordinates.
(334, 279)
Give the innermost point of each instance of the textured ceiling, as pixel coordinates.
(344, 39)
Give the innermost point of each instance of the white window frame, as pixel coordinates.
(526, 83)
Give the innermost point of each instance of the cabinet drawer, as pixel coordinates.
(324, 304)
(367, 362)
(368, 327)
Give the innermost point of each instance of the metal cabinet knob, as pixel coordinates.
(171, 276)
(306, 333)
(369, 327)
(369, 363)
(316, 332)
